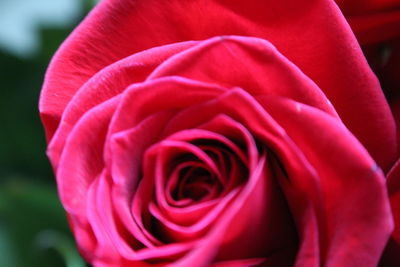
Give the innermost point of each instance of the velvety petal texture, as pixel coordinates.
(209, 133)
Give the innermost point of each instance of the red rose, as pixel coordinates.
(219, 133)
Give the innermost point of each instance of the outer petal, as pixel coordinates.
(108, 82)
(354, 193)
(81, 161)
(246, 62)
(80, 164)
(384, 59)
(320, 43)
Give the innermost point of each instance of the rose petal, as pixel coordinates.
(80, 165)
(173, 232)
(171, 93)
(82, 161)
(249, 63)
(345, 166)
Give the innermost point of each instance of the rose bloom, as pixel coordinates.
(220, 133)
(376, 24)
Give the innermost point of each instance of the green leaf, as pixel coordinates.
(49, 239)
(36, 230)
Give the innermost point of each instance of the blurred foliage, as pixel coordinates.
(33, 227)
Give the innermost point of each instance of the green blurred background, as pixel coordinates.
(33, 227)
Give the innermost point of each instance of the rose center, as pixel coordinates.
(209, 170)
(196, 183)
